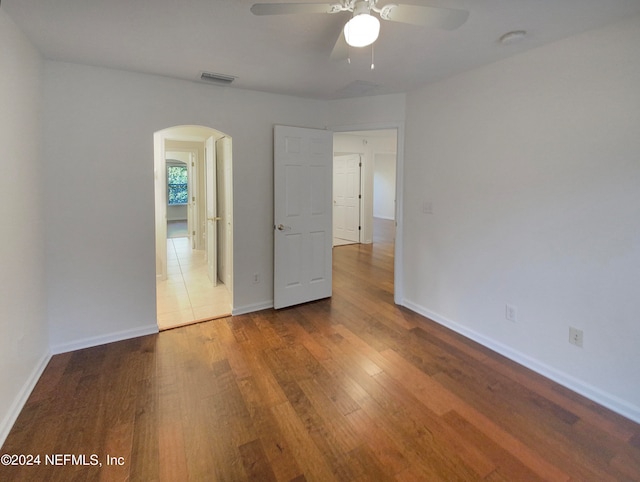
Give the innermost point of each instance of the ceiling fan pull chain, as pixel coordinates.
(372, 64)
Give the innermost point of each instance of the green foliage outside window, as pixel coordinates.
(177, 184)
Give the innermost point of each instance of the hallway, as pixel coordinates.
(187, 295)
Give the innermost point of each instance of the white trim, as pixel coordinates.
(243, 310)
(23, 395)
(612, 402)
(103, 339)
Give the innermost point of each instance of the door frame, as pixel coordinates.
(398, 272)
(185, 133)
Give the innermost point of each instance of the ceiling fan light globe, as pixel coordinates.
(362, 30)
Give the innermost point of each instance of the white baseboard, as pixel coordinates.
(17, 405)
(243, 310)
(612, 402)
(102, 339)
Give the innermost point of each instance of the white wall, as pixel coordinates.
(365, 113)
(532, 166)
(103, 286)
(23, 329)
(384, 185)
(177, 212)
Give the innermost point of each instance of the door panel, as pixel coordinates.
(318, 271)
(346, 197)
(294, 178)
(293, 243)
(302, 215)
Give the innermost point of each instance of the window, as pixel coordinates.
(178, 192)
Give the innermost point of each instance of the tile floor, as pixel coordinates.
(187, 295)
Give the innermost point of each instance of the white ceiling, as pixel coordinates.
(290, 54)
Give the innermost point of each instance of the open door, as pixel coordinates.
(225, 211)
(303, 165)
(212, 231)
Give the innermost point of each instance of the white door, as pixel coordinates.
(346, 197)
(212, 234)
(225, 212)
(303, 164)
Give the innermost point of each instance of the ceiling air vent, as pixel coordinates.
(221, 79)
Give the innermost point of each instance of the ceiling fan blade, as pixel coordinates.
(445, 18)
(289, 8)
(340, 49)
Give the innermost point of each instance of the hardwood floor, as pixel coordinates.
(349, 388)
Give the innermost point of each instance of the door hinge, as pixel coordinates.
(359, 228)
(193, 164)
(359, 196)
(193, 199)
(359, 164)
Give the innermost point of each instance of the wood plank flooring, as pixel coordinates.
(351, 388)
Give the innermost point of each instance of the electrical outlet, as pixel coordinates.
(511, 312)
(575, 336)
(256, 278)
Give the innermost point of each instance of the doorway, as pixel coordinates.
(194, 271)
(378, 151)
(179, 209)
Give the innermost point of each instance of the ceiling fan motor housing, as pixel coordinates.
(360, 7)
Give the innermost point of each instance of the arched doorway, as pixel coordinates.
(194, 269)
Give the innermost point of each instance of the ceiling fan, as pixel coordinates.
(363, 28)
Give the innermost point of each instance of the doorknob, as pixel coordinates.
(282, 227)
